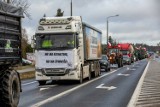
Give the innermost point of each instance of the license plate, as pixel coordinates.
(55, 78)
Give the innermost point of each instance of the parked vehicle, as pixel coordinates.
(126, 60)
(66, 49)
(10, 54)
(157, 56)
(26, 62)
(104, 63)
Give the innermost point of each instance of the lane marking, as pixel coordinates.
(128, 68)
(132, 102)
(69, 91)
(42, 89)
(133, 69)
(29, 83)
(120, 74)
(101, 86)
(45, 87)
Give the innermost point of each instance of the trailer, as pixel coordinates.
(66, 49)
(10, 54)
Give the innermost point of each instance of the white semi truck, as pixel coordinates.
(66, 49)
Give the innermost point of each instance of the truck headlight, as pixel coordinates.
(104, 63)
(68, 27)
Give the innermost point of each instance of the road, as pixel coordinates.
(111, 89)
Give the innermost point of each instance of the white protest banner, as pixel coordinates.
(54, 59)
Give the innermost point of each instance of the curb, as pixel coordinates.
(132, 102)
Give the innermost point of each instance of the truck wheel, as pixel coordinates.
(109, 69)
(81, 76)
(119, 65)
(99, 69)
(42, 82)
(89, 77)
(9, 89)
(106, 69)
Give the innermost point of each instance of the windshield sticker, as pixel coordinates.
(8, 47)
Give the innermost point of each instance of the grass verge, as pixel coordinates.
(27, 75)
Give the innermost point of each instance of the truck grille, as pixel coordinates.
(51, 72)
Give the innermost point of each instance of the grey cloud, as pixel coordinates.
(137, 17)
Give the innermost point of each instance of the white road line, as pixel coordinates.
(120, 74)
(45, 87)
(29, 83)
(138, 89)
(69, 91)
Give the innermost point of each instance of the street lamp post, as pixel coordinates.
(107, 30)
(71, 7)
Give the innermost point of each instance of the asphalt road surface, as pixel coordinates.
(111, 89)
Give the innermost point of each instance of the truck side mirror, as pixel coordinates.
(33, 44)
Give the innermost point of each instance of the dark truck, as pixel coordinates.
(10, 54)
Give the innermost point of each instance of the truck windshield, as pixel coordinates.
(125, 52)
(113, 50)
(50, 41)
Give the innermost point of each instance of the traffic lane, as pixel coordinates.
(32, 93)
(27, 81)
(90, 96)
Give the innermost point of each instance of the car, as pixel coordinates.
(104, 63)
(156, 56)
(126, 60)
(26, 62)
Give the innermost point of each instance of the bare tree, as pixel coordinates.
(24, 4)
(24, 42)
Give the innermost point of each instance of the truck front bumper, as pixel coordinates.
(70, 76)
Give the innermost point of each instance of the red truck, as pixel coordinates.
(127, 49)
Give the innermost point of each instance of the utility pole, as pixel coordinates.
(71, 7)
(107, 30)
(8, 1)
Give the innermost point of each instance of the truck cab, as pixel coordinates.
(61, 49)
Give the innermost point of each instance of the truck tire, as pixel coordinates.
(119, 65)
(42, 82)
(9, 89)
(109, 69)
(106, 69)
(81, 76)
(89, 77)
(99, 69)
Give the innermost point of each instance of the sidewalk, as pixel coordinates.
(148, 93)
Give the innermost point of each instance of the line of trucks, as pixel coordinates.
(66, 48)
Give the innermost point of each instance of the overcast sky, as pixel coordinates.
(138, 20)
